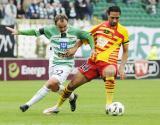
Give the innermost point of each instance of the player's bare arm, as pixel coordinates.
(123, 61)
(12, 30)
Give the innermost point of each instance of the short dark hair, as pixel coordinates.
(60, 17)
(114, 9)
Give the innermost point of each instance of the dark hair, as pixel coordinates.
(60, 17)
(114, 9)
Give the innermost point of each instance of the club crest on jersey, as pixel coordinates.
(63, 45)
(106, 31)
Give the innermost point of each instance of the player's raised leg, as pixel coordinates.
(51, 84)
(77, 81)
(57, 75)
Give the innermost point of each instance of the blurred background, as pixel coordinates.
(141, 17)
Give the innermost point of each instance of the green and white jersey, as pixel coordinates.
(58, 44)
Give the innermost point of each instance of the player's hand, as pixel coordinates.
(121, 72)
(70, 52)
(13, 31)
(93, 52)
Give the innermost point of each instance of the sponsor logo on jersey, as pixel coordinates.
(101, 42)
(63, 45)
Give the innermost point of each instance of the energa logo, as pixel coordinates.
(14, 70)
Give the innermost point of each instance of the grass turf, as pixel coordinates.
(140, 97)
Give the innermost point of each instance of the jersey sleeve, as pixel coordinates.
(31, 32)
(86, 36)
(94, 28)
(48, 31)
(126, 37)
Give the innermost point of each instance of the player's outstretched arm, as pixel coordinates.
(13, 31)
(123, 62)
(30, 32)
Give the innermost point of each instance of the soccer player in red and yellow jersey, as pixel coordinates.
(108, 36)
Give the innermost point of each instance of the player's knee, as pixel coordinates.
(109, 71)
(53, 86)
(110, 79)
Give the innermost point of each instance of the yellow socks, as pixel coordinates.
(109, 85)
(66, 93)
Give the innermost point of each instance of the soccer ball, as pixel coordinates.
(115, 109)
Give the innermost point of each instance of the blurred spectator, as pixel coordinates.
(10, 13)
(150, 6)
(42, 11)
(1, 12)
(72, 11)
(48, 1)
(90, 5)
(33, 10)
(20, 11)
(81, 9)
(66, 5)
(104, 15)
(50, 11)
(58, 8)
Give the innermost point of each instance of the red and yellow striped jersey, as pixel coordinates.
(108, 42)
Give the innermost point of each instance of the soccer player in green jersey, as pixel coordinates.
(63, 39)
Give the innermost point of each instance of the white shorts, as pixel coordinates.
(60, 72)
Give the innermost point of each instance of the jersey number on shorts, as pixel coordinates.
(85, 67)
(58, 72)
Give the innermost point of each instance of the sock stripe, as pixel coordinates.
(110, 78)
(67, 90)
(62, 98)
(109, 86)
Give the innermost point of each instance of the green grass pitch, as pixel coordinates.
(141, 99)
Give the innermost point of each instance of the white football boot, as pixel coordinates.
(52, 110)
